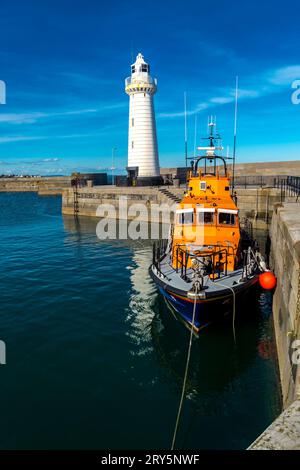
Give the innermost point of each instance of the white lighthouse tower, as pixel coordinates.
(143, 165)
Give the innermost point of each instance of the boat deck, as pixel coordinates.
(173, 279)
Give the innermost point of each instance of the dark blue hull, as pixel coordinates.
(206, 311)
(184, 308)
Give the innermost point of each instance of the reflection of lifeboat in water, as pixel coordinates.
(209, 260)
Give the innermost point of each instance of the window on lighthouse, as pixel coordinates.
(132, 144)
(132, 122)
(132, 69)
(145, 68)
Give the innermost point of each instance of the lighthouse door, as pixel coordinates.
(132, 173)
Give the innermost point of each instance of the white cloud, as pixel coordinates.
(221, 100)
(33, 117)
(20, 118)
(19, 138)
(83, 80)
(218, 100)
(284, 75)
(215, 50)
(174, 115)
(63, 136)
(122, 104)
(197, 109)
(249, 93)
(266, 83)
(30, 118)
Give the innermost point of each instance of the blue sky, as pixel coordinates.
(64, 64)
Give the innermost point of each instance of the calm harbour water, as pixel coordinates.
(94, 357)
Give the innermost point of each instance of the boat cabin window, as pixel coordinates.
(227, 218)
(205, 216)
(185, 217)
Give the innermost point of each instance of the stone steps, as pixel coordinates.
(170, 195)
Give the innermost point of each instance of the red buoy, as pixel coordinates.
(267, 280)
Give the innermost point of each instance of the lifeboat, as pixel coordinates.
(210, 260)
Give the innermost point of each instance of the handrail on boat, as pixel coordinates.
(206, 159)
(213, 260)
(217, 260)
(159, 251)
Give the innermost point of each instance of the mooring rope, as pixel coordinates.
(189, 355)
(185, 373)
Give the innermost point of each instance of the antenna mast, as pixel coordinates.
(234, 132)
(131, 51)
(195, 136)
(185, 136)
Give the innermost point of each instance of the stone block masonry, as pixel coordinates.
(42, 185)
(89, 199)
(284, 432)
(285, 261)
(256, 204)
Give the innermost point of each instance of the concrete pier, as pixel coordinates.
(284, 433)
(89, 199)
(285, 261)
(256, 204)
(42, 185)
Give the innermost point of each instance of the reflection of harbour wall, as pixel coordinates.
(78, 226)
(2, 352)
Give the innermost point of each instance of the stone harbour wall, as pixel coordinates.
(256, 204)
(43, 185)
(285, 261)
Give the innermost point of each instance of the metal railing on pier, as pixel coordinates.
(254, 181)
(289, 186)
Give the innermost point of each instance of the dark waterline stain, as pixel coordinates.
(95, 359)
